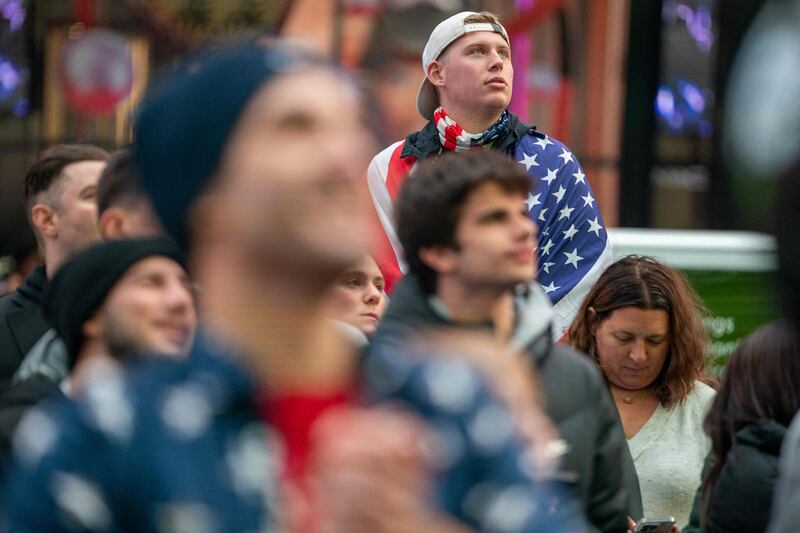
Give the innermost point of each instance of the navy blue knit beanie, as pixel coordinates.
(184, 123)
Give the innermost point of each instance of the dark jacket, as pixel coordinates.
(576, 399)
(15, 400)
(785, 516)
(22, 322)
(742, 497)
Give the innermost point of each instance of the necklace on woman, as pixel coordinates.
(627, 398)
(625, 395)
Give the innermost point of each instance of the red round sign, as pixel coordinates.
(96, 71)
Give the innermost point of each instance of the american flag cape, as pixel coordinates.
(573, 248)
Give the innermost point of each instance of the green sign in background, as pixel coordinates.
(739, 302)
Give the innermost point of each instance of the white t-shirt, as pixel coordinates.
(668, 453)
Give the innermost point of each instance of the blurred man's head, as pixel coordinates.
(122, 298)
(462, 219)
(123, 208)
(468, 70)
(271, 169)
(60, 201)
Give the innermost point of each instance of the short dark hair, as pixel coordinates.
(119, 183)
(48, 167)
(431, 199)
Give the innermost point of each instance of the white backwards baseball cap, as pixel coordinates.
(441, 37)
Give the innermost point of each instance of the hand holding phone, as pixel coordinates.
(656, 524)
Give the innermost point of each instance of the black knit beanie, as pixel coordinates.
(184, 124)
(80, 286)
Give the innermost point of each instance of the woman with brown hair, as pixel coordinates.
(641, 324)
(757, 400)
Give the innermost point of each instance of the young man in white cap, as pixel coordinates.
(465, 94)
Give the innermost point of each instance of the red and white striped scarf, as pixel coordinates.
(454, 137)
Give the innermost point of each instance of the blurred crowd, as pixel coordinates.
(259, 317)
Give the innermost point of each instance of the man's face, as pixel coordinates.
(290, 192)
(495, 240)
(150, 310)
(476, 71)
(76, 206)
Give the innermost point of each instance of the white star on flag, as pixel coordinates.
(543, 142)
(594, 226)
(588, 200)
(573, 258)
(546, 248)
(529, 161)
(570, 233)
(579, 176)
(559, 194)
(550, 288)
(547, 266)
(566, 155)
(532, 200)
(551, 175)
(565, 213)
(542, 212)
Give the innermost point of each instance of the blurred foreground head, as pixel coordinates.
(259, 150)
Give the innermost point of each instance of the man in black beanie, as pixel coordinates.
(120, 299)
(110, 302)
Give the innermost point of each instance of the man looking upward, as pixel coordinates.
(465, 95)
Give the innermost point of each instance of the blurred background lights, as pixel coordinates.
(681, 105)
(698, 21)
(14, 12)
(9, 78)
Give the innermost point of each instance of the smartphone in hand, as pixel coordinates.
(656, 524)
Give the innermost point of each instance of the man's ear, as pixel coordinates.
(111, 223)
(45, 220)
(435, 73)
(592, 318)
(92, 328)
(440, 259)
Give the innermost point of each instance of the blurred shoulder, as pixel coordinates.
(702, 394)
(568, 359)
(381, 159)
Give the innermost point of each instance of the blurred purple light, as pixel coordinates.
(693, 96)
(681, 106)
(14, 12)
(699, 26)
(9, 78)
(699, 22)
(665, 102)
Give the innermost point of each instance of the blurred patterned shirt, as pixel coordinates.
(180, 447)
